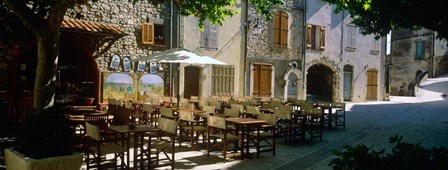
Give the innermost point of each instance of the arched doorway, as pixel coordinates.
(319, 85)
(348, 77)
(191, 81)
(291, 86)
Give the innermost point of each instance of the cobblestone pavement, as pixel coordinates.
(423, 118)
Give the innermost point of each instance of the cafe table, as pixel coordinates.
(138, 131)
(245, 125)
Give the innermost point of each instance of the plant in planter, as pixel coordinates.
(45, 137)
(403, 156)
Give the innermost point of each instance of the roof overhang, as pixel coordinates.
(90, 27)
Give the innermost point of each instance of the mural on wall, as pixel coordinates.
(119, 86)
(150, 85)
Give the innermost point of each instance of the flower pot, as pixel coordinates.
(15, 160)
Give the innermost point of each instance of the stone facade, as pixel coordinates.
(260, 50)
(406, 70)
(129, 17)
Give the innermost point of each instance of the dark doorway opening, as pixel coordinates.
(319, 83)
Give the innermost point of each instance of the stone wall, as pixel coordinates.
(260, 48)
(129, 17)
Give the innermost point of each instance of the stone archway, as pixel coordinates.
(293, 84)
(319, 85)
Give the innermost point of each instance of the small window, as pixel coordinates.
(280, 29)
(419, 50)
(315, 37)
(152, 34)
(209, 37)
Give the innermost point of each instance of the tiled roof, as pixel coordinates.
(76, 25)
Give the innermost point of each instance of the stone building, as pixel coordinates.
(274, 54)
(340, 63)
(414, 56)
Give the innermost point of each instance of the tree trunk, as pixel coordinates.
(47, 62)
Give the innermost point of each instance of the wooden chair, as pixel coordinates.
(289, 126)
(167, 113)
(217, 106)
(252, 111)
(267, 132)
(151, 114)
(231, 112)
(314, 123)
(191, 127)
(210, 110)
(221, 136)
(239, 107)
(122, 116)
(165, 142)
(339, 115)
(101, 148)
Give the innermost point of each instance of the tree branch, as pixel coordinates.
(29, 19)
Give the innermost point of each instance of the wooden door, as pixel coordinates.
(372, 84)
(262, 80)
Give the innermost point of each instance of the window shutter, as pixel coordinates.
(284, 29)
(205, 35)
(148, 33)
(308, 36)
(213, 38)
(322, 38)
(277, 26)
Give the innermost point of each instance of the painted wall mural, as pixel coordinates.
(126, 87)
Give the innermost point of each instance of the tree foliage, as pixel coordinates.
(380, 16)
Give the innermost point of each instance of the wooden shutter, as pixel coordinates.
(148, 33)
(205, 34)
(284, 29)
(308, 36)
(256, 88)
(322, 38)
(372, 84)
(277, 28)
(265, 80)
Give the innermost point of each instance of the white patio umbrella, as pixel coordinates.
(179, 55)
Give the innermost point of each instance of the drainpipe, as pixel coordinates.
(245, 47)
(304, 49)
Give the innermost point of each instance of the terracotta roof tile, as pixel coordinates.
(92, 27)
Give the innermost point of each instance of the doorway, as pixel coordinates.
(191, 81)
(319, 85)
(348, 77)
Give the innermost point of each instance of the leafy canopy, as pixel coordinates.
(380, 16)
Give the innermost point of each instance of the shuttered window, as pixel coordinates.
(315, 37)
(419, 49)
(209, 36)
(148, 33)
(223, 80)
(372, 84)
(280, 29)
(350, 37)
(262, 80)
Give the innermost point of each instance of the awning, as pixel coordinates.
(90, 27)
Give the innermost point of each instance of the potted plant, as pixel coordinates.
(44, 142)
